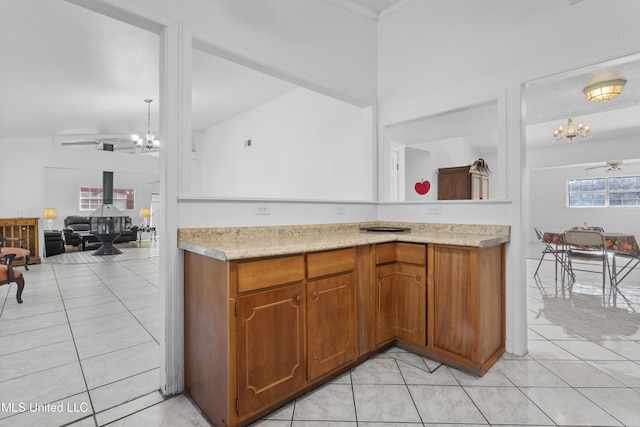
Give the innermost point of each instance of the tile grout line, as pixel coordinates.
(84, 377)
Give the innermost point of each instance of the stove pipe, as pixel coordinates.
(107, 188)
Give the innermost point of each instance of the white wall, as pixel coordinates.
(419, 167)
(205, 212)
(304, 145)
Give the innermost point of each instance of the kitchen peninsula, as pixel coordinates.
(271, 312)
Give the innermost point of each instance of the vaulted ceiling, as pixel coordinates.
(69, 71)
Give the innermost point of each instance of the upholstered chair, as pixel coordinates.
(20, 253)
(9, 275)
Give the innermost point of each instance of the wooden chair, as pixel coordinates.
(20, 253)
(9, 275)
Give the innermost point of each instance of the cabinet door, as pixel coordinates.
(331, 324)
(401, 304)
(453, 308)
(385, 322)
(410, 295)
(270, 347)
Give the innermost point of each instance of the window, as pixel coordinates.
(91, 198)
(587, 192)
(602, 192)
(624, 191)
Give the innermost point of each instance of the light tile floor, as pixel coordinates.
(85, 341)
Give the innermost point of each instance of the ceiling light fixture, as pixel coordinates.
(149, 143)
(604, 91)
(581, 131)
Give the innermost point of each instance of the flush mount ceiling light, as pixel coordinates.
(572, 132)
(149, 142)
(604, 91)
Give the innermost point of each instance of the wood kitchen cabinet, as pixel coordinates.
(467, 304)
(260, 332)
(271, 362)
(401, 293)
(267, 329)
(331, 311)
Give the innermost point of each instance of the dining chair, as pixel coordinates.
(631, 259)
(553, 248)
(587, 246)
(587, 228)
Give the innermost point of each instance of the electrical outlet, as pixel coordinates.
(263, 210)
(340, 210)
(434, 210)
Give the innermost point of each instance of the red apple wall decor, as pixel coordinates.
(422, 187)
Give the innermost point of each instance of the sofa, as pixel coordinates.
(53, 243)
(76, 223)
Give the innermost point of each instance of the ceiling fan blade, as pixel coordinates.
(80, 142)
(596, 167)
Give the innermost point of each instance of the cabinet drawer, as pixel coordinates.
(264, 273)
(7, 222)
(411, 253)
(25, 222)
(385, 252)
(330, 262)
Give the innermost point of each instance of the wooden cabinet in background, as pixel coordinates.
(462, 183)
(401, 293)
(22, 228)
(467, 304)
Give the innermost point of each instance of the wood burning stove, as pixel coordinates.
(107, 222)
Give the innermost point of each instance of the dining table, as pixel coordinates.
(623, 245)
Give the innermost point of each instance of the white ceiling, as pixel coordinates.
(69, 71)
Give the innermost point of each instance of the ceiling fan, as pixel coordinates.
(613, 166)
(99, 143)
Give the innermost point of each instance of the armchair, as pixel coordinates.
(9, 275)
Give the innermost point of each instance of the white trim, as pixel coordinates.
(357, 8)
(394, 8)
(172, 92)
(516, 288)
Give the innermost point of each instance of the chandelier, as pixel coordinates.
(604, 91)
(149, 142)
(572, 132)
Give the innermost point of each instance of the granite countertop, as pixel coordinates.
(231, 243)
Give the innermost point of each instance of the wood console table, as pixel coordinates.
(22, 228)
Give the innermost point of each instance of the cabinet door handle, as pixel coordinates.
(315, 296)
(299, 299)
